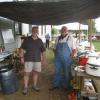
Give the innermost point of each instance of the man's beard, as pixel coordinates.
(62, 36)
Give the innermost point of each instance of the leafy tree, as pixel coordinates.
(91, 24)
(54, 31)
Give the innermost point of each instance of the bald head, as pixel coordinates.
(64, 30)
(34, 28)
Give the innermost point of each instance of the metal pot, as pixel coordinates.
(93, 66)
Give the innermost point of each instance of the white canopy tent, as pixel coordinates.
(72, 26)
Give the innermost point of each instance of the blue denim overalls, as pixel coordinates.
(62, 62)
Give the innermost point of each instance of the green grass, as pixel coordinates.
(50, 55)
(97, 44)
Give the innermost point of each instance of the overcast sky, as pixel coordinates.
(98, 24)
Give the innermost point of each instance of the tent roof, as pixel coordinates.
(55, 12)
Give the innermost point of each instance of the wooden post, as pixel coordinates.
(90, 31)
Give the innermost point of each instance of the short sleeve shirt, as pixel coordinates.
(33, 49)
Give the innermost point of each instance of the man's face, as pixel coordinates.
(34, 31)
(64, 30)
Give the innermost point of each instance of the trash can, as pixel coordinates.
(8, 79)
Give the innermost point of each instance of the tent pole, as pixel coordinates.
(79, 33)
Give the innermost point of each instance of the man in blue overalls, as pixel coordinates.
(64, 52)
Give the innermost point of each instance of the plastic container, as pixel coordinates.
(8, 79)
